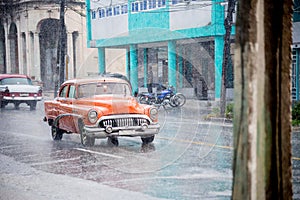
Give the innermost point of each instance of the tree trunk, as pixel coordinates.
(262, 122)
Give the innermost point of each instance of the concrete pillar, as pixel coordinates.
(37, 59)
(20, 47)
(172, 63)
(30, 55)
(101, 63)
(180, 67)
(69, 57)
(219, 47)
(133, 68)
(262, 124)
(127, 60)
(7, 47)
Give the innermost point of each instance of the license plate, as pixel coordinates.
(127, 132)
(24, 95)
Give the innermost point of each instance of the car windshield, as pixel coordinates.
(91, 89)
(15, 81)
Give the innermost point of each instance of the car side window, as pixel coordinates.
(63, 92)
(72, 91)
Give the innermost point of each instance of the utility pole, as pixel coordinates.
(62, 43)
(60, 67)
(226, 53)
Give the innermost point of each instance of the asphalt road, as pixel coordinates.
(190, 159)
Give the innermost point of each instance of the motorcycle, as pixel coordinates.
(163, 98)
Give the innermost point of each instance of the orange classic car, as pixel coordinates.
(101, 107)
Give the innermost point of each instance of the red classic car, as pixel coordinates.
(101, 107)
(17, 89)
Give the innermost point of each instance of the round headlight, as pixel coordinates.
(153, 113)
(93, 116)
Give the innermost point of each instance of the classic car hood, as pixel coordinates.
(114, 105)
(23, 88)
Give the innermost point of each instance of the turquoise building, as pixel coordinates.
(296, 52)
(174, 42)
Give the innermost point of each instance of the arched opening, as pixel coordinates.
(2, 51)
(13, 47)
(49, 41)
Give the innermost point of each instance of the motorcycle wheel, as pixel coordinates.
(177, 100)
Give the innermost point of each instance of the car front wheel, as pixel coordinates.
(56, 132)
(113, 141)
(85, 140)
(147, 140)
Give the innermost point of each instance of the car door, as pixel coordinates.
(65, 99)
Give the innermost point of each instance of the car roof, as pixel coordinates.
(80, 81)
(2, 76)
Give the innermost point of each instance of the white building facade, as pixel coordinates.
(29, 39)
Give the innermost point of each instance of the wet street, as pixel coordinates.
(189, 159)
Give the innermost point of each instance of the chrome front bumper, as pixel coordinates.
(131, 131)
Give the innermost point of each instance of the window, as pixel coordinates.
(93, 14)
(92, 89)
(101, 13)
(124, 9)
(16, 81)
(117, 10)
(152, 4)
(175, 2)
(72, 91)
(63, 92)
(135, 7)
(109, 12)
(143, 5)
(161, 3)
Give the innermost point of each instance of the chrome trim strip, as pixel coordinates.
(22, 98)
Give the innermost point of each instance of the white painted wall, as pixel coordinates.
(110, 27)
(189, 15)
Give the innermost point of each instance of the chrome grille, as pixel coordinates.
(123, 122)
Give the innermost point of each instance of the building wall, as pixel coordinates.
(32, 57)
(164, 25)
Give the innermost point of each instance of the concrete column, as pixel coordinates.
(127, 60)
(7, 48)
(172, 63)
(28, 52)
(69, 57)
(180, 67)
(219, 46)
(37, 61)
(101, 63)
(133, 68)
(20, 48)
(30, 55)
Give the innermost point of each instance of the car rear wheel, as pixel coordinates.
(2, 104)
(57, 133)
(17, 106)
(147, 140)
(32, 105)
